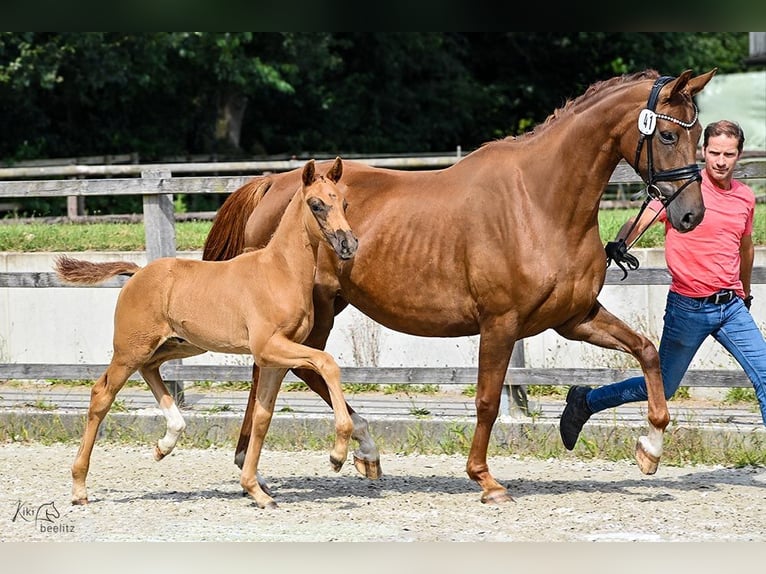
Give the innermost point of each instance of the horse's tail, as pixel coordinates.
(87, 273)
(227, 235)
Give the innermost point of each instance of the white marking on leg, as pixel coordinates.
(175, 426)
(652, 443)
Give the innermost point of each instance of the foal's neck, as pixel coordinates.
(292, 237)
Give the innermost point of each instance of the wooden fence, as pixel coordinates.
(158, 183)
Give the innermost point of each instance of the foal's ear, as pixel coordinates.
(335, 171)
(309, 173)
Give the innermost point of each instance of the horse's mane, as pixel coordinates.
(593, 90)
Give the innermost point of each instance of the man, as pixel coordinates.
(709, 294)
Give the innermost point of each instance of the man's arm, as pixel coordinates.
(648, 217)
(747, 256)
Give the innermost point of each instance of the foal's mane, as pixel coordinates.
(593, 90)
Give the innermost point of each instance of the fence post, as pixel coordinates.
(159, 220)
(513, 399)
(160, 233)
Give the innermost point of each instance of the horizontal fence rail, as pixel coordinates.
(173, 372)
(641, 276)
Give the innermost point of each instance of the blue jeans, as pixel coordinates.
(687, 323)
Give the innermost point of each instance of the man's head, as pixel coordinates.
(721, 146)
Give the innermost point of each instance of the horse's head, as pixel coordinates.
(326, 200)
(668, 131)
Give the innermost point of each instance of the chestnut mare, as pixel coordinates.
(504, 243)
(258, 303)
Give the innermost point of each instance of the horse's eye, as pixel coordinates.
(668, 137)
(316, 205)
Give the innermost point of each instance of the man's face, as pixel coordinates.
(721, 155)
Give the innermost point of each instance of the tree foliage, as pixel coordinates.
(171, 94)
(165, 93)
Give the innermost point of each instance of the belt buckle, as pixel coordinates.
(722, 297)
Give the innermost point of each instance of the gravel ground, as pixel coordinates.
(194, 495)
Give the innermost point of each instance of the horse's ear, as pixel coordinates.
(695, 85)
(309, 172)
(692, 86)
(335, 171)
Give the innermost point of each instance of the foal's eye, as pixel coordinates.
(316, 205)
(668, 137)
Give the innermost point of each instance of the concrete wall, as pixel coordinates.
(74, 325)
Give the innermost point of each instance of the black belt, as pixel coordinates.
(720, 298)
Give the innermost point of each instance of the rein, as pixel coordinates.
(617, 251)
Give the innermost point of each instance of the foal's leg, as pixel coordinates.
(279, 350)
(174, 422)
(605, 330)
(101, 398)
(366, 456)
(270, 380)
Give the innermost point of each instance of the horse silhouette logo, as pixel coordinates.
(47, 512)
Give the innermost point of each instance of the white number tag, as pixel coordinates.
(647, 120)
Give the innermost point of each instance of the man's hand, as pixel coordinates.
(748, 300)
(617, 251)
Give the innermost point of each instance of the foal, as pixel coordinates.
(258, 303)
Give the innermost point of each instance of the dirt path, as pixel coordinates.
(194, 495)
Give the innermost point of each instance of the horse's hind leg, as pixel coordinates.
(605, 330)
(101, 398)
(174, 422)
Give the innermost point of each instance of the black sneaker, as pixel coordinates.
(575, 415)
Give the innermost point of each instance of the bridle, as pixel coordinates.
(617, 251)
(647, 122)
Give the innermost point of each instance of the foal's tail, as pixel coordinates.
(87, 273)
(227, 235)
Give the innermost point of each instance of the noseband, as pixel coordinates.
(617, 251)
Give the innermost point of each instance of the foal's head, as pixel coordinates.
(327, 203)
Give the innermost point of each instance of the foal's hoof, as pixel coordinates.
(80, 501)
(496, 497)
(336, 464)
(158, 454)
(647, 462)
(368, 468)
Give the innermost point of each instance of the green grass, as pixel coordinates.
(190, 235)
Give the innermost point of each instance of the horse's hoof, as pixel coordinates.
(80, 501)
(496, 497)
(158, 454)
(270, 505)
(336, 464)
(368, 468)
(647, 462)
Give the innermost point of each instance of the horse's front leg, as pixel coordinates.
(603, 329)
(269, 381)
(366, 456)
(494, 355)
